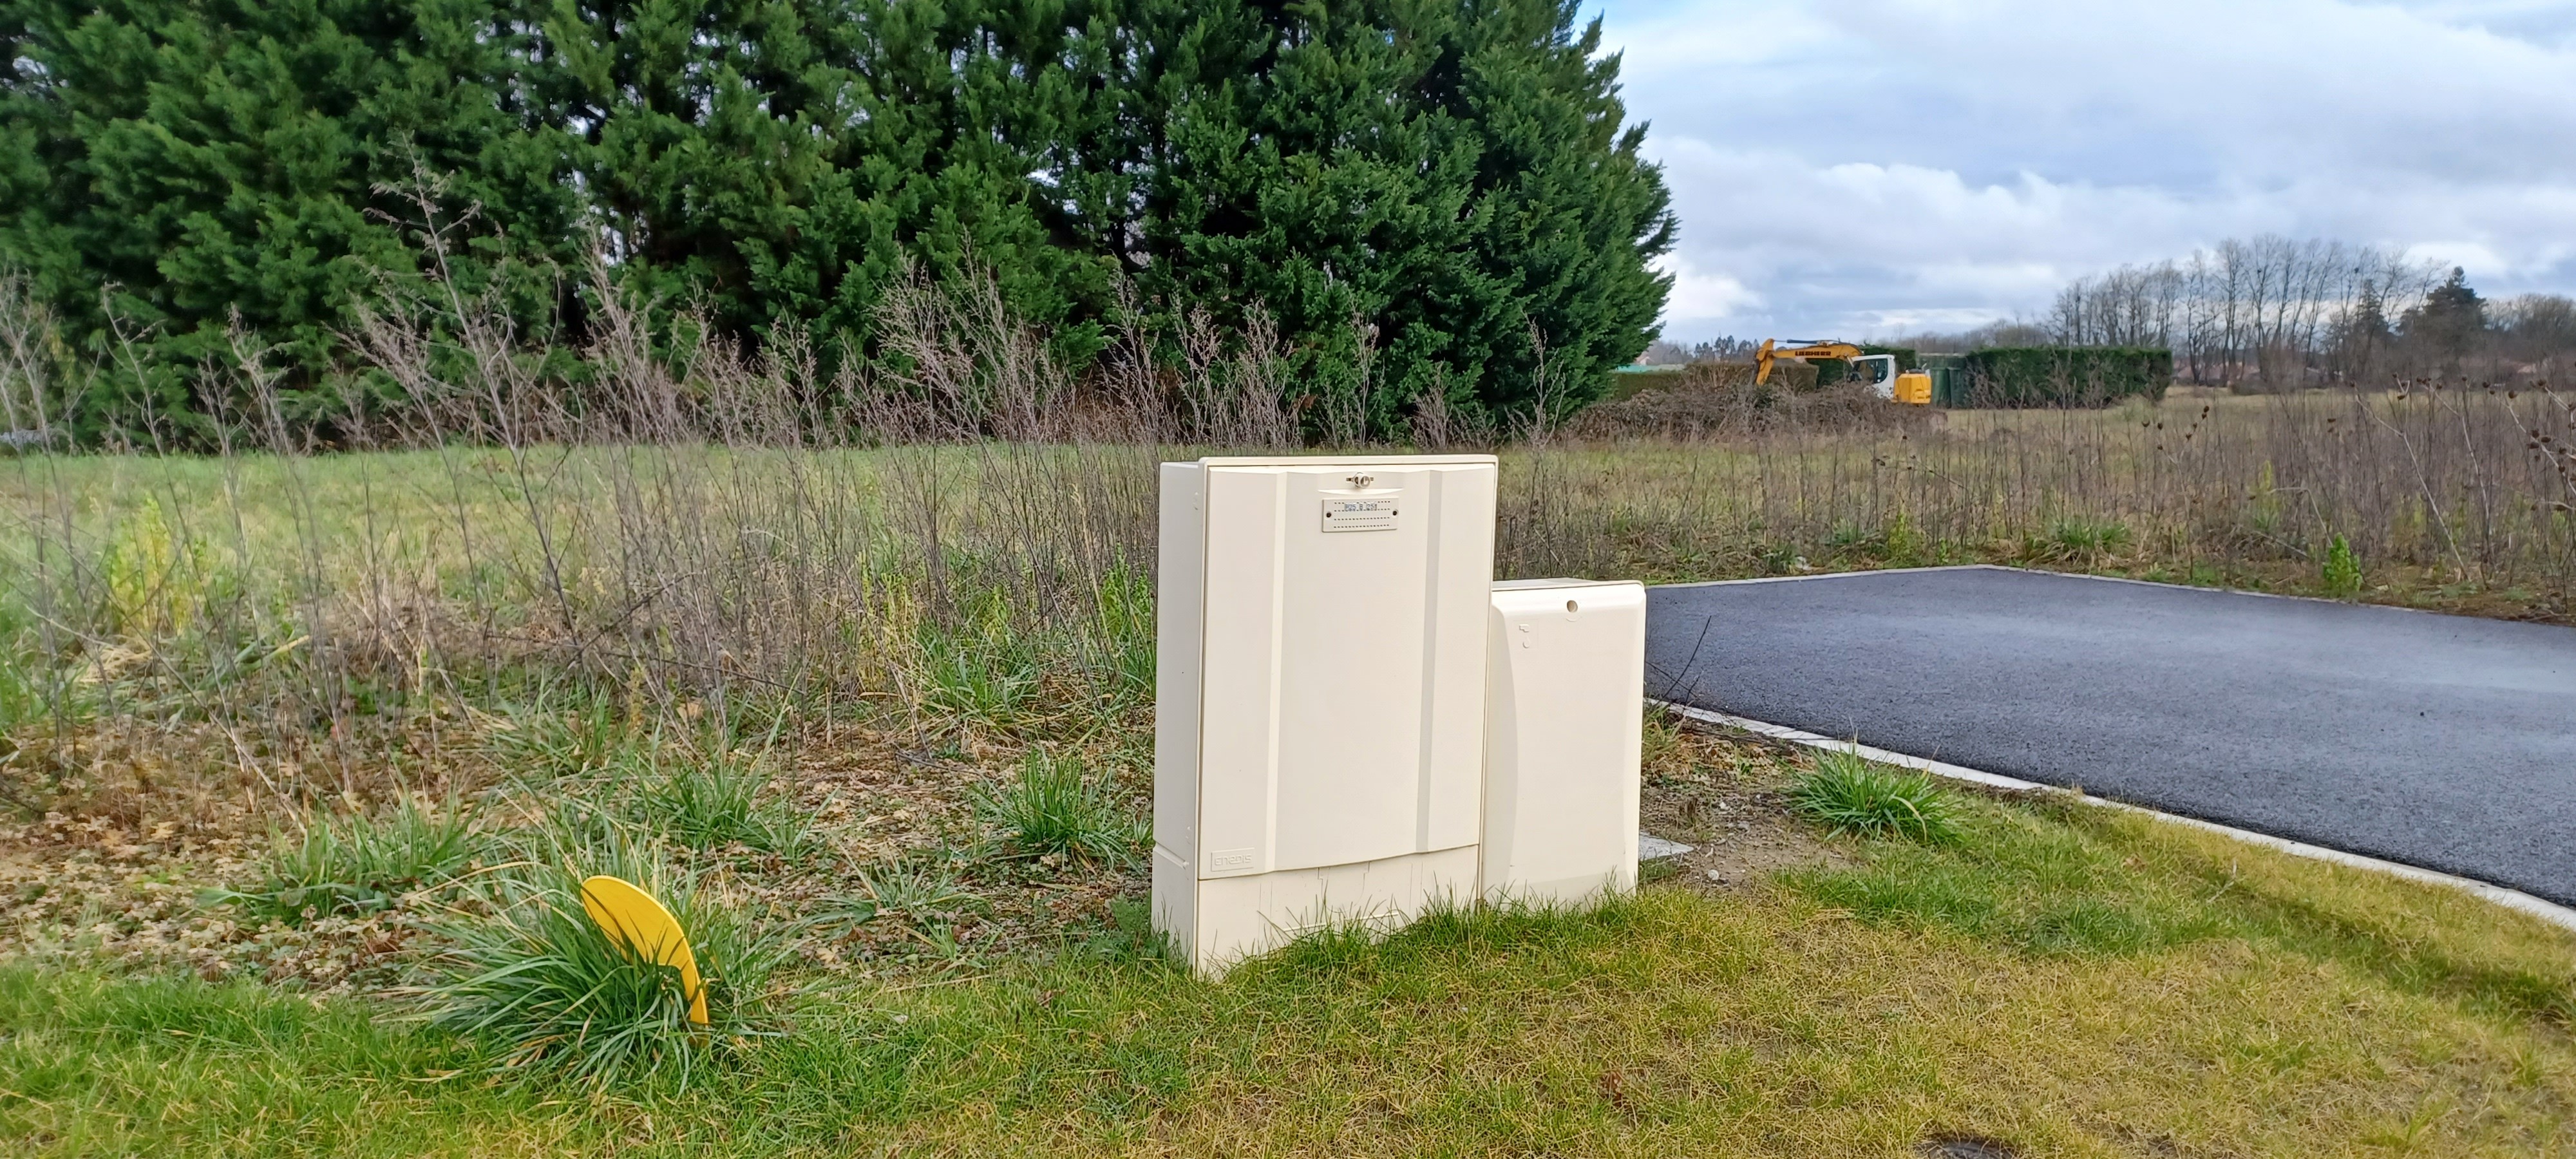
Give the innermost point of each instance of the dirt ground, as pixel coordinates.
(115, 867)
(1720, 792)
(120, 875)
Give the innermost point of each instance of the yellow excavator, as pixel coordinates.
(1912, 387)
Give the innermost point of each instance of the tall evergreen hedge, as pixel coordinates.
(1456, 178)
(2064, 376)
(178, 163)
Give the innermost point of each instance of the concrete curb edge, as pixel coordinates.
(2081, 575)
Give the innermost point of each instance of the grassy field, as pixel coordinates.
(2059, 980)
(302, 748)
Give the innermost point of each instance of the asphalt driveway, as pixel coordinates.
(2439, 741)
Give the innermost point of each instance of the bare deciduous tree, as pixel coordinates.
(2269, 311)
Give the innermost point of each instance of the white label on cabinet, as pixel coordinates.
(1371, 514)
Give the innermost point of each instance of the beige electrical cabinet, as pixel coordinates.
(1565, 672)
(1320, 694)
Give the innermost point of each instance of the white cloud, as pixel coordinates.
(1873, 165)
(1702, 296)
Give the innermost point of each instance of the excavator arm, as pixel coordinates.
(1769, 353)
(1912, 387)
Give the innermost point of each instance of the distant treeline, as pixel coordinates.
(2275, 313)
(1425, 199)
(2272, 313)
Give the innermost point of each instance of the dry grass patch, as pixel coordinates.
(2066, 981)
(812, 817)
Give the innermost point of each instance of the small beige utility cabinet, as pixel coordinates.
(1565, 691)
(1325, 676)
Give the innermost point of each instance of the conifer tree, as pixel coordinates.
(1451, 181)
(2449, 319)
(207, 159)
(785, 157)
(1429, 195)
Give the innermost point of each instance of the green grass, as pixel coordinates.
(531, 977)
(924, 896)
(921, 889)
(2339, 575)
(1055, 805)
(971, 677)
(710, 801)
(707, 793)
(558, 735)
(2077, 539)
(2018, 879)
(358, 864)
(1847, 794)
(2069, 981)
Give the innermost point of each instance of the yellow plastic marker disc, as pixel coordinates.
(637, 922)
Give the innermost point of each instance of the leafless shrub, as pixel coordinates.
(26, 379)
(2462, 484)
(1233, 389)
(968, 366)
(1435, 424)
(961, 539)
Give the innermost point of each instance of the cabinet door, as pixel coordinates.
(1342, 662)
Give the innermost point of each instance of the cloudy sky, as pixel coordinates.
(1849, 168)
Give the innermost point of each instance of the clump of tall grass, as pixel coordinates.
(711, 800)
(1054, 804)
(534, 978)
(358, 864)
(705, 793)
(923, 895)
(2079, 539)
(973, 678)
(558, 736)
(2340, 571)
(1847, 794)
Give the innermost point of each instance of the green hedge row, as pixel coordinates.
(2063, 376)
(1458, 184)
(1906, 356)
